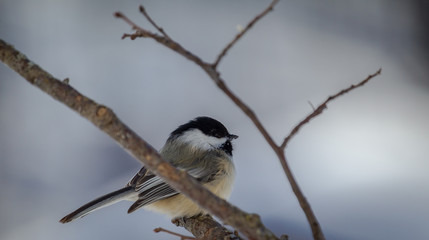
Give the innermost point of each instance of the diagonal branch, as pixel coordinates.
(104, 118)
(323, 106)
(241, 33)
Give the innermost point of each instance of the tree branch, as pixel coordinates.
(323, 106)
(104, 118)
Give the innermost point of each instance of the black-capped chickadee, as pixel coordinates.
(201, 147)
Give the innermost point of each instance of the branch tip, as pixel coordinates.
(379, 71)
(118, 15)
(146, 15)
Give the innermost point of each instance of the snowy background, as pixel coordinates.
(363, 165)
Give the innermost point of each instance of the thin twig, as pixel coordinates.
(161, 30)
(127, 20)
(182, 237)
(311, 105)
(323, 106)
(241, 33)
(173, 45)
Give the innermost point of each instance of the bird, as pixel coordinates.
(203, 148)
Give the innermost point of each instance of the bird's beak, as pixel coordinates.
(232, 136)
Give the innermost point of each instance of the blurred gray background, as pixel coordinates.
(363, 164)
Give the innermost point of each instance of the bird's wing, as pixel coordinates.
(152, 188)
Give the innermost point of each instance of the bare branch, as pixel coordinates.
(108, 122)
(305, 205)
(241, 33)
(323, 106)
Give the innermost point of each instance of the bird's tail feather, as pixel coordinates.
(103, 201)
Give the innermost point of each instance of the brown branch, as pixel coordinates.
(241, 33)
(314, 224)
(108, 122)
(305, 205)
(205, 227)
(323, 106)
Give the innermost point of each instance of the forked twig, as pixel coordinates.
(160, 29)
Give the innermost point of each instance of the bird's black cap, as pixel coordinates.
(207, 125)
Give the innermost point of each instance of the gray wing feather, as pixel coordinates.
(152, 188)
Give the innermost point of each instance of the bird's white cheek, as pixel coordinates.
(198, 139)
